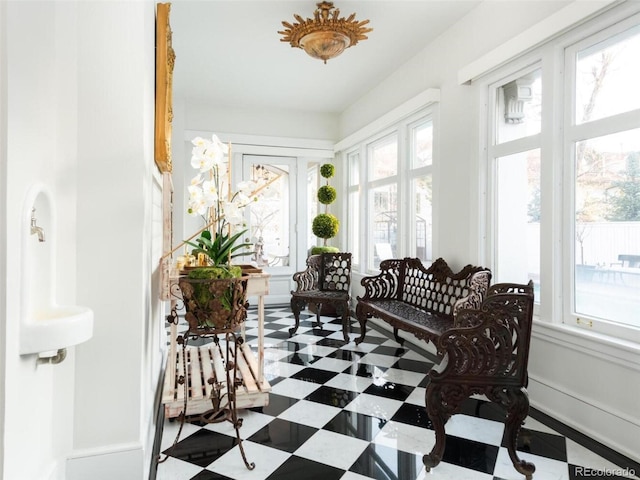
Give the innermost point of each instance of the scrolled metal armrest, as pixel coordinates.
(480, 346)
(383, 285)
(306, 280)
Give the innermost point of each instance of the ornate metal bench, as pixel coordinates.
(326, 280)
(420, 300)
(485, 353)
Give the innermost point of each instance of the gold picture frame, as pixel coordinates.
(165, 61)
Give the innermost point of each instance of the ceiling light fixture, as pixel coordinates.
(326, 35)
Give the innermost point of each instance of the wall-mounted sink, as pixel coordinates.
(56, 328)
(45, 326)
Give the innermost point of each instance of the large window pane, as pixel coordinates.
(607, 227)
(353, 160)
(270, 216)
(422, 145)
(353, 239)
(384, 225)
(313, 179)
(608, 76)
(384, 158)
(517, 248)
(353, 202)
(421, 224)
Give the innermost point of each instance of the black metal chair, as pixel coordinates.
(486, 352)
(325, 281)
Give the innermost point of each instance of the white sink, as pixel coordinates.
(55, 328)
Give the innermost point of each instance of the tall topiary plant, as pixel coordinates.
(325, 225)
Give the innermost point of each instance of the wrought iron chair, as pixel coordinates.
(326, 280)
(486, 353)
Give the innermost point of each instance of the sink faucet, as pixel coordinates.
(36, 229)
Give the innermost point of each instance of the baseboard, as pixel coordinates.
(124, 462)
(611, 436)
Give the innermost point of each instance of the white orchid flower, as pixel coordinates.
(214, 154)
(195, 193)
(197, 207)
(233, 214)
(247, 187)
(241, 200)
(200, 142)
(202, 162)
(221, 168)
(196, 180)
(222, 146)
(210, 192)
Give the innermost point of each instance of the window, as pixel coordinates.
(563, 174)
(383, 199)
(269, 218)
(421, 191)
(515, 177)
(390, 212)
(353, 202)
(604, 142)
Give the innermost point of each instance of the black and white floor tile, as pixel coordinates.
(341, 411)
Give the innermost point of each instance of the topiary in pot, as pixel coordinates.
(325, 225)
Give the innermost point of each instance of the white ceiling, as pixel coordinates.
(229, 53)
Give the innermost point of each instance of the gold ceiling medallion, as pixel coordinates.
(326, 35)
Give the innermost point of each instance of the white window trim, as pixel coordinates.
(386, 121)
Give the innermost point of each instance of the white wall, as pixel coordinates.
(114, 404)
(77, 91)
(3, 223)
(272, 123)
(40, 124)
(590, 383)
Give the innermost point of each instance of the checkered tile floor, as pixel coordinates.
(341, 411)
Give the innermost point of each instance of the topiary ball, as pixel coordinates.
(325, 225)
(327, 194)
(327, 170)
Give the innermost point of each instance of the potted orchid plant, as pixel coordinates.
(214, 292)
